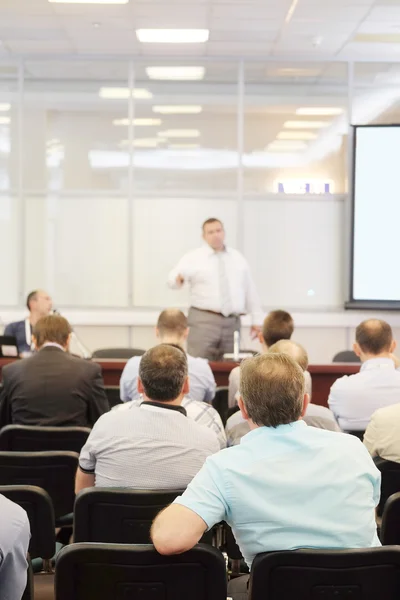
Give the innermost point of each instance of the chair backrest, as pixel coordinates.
(390, 527)
(357, 433)
(113, 395)
(27, 438)
(390, 483)
(53, 471)
(220, 402)
(39, 508)
(125, 572)
(347, 356)
(117, 352)
(362, 574)
(120, 516)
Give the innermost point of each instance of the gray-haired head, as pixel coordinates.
(272, 389)
(292, 349)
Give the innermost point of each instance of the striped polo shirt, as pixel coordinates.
(151, 446)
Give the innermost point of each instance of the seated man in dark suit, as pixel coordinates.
(52, 387)
(39, 305)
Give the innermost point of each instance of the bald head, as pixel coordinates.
(172, 326)
(374, 338)
(292, 349)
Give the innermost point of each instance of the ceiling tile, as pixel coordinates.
(39, 47)
(245, 11)
(240, 49)
(260, 25)
(30, 34)
(241, 36)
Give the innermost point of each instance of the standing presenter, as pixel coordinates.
(221, 290)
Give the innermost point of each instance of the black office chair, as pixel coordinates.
(390, 527)
(220, 402)
(53, 471)
(357, 433)
(115, 353)
(120, 515)
(39, 508)
(27, 438)
(124, 572)
(362, 574)
(390, 483)
(113, 395)
(346, 356)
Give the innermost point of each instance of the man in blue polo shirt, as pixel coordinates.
(286, 485)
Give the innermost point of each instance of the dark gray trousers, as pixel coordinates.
(210, 334)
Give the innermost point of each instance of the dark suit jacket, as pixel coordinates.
(17, 330)
(52, 388)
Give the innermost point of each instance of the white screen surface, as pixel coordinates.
(376, 214)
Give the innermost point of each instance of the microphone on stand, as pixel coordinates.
(86, 354)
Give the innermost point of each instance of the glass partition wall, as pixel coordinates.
(108, 168)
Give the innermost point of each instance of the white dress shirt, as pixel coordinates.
(201, 269)
(382, 435)
(353, 399)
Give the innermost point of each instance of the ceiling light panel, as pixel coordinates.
(176, 73)
(296, 135)
(5, 106)
(172, 36)
(124, 93)
(180, 133)
(137, 122)
(189, 109)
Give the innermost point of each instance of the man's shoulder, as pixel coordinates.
(13, 519)
(387, 414)
(14, 326)
(197, 406)
(133, 363)
(234, 374)
(197, 362)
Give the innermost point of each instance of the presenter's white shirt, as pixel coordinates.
(201, 269)
(353, 399)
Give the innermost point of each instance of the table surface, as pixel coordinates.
(323, 376)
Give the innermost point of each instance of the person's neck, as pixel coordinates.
(365, 357)
(176, 402)
(170, 339)
(33, 319)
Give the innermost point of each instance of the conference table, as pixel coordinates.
(323, 376)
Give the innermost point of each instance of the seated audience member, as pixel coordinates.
(315, 415)
(172, 328)
(201, 412)
(39, 305)
(14, 542)
(153, 445)
(285, 486)
(278, 325)
(353, 399)
(381, 437)
(52, 387)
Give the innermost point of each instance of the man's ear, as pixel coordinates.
(306, 402)
(243, 410)
(186, 387)
(393, 346)
(34, 342)
(357, 350)
(140, 387)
